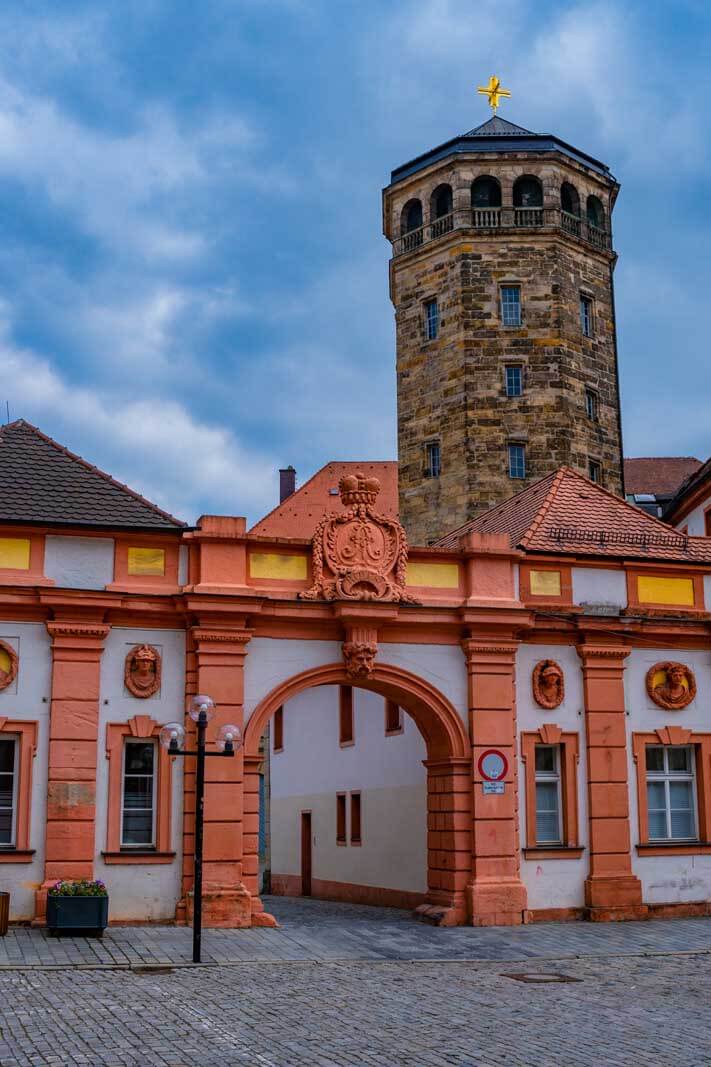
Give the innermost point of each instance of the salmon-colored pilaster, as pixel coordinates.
(448, 840)
(220, 652)
(73, 735)
(611, 889)
(497, 894)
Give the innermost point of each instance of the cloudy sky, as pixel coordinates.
(193, 277)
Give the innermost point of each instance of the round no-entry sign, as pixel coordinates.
(493, 765)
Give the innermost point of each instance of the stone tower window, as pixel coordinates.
(517, 461)
(586, 315)
(511, 305)
(431, 319)
(592, 405)
(569, 199)
(411, 225)
(441, 202)
(527, 192)
(486, 192)
(596, 213)
(433, 463)
(594, 471)
(514, 379)
(441, 217)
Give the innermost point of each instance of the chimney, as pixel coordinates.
(287, 483)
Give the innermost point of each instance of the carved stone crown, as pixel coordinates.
(357, 489)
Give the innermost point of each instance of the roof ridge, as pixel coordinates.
(545, 505)
(620, 500)
(95, 470)
(354, 462)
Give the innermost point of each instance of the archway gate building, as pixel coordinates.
(565, 630)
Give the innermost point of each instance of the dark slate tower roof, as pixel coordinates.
(42, 482)
(499, 135)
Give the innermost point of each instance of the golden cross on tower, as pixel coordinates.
(494, 92)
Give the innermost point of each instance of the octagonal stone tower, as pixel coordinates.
(501, 278)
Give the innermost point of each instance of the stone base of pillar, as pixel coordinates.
(40, 916)
(225, 906)
(498, 903)
(614, 899)
(613, 891)
(443, 909)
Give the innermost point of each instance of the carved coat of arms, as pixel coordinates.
(359, 554)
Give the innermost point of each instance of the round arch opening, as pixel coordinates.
(448, 786)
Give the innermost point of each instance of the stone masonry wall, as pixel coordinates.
(452, 389)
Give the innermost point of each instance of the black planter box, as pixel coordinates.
(85, 916)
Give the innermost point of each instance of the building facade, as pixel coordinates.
(387, 676)
(501, 279)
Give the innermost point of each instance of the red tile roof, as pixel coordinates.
(566, 514)
(43, 482)
(300, 514)
(658, 474)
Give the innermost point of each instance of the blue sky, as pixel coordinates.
(193, 278)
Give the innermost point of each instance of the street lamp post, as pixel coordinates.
(229, 739)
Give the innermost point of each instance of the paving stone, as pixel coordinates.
(347, 986)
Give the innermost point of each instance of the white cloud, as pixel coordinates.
(154, 445)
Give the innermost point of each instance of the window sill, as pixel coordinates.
(553, 852)
(127, 856)
(395, 733)
(674, 848)
(16, 855)
(346, 744)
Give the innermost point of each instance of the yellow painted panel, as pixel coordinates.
(15, 553)
(433, 575)
(146, 561)
(278, 565)
(545, 583)
(5, 661)
(678, 591)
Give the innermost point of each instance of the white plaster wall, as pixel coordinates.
(28, 698)
(141, 891)
(441, 665)
(666, 879)
(272, 661)
(388, 772)
(694, 521)
(79, 562)
(593, 585)
(183, 565)
(553, 883)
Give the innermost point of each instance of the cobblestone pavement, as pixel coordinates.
(316, 930)
(367, 1013)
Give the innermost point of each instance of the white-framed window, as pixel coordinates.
(592, 405)
(431, 319)
(138, 794)
(517, 461)
(549, 830)
(433, 460)
(511, 305)
(671, 793)
(9, 749)
(586, 315)
(514, 379)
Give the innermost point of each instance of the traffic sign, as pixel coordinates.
(493, 765)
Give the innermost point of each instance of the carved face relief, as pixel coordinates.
(142, 671)
(671, 685)
(359, 657)
(548, 684)
(8, 665)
